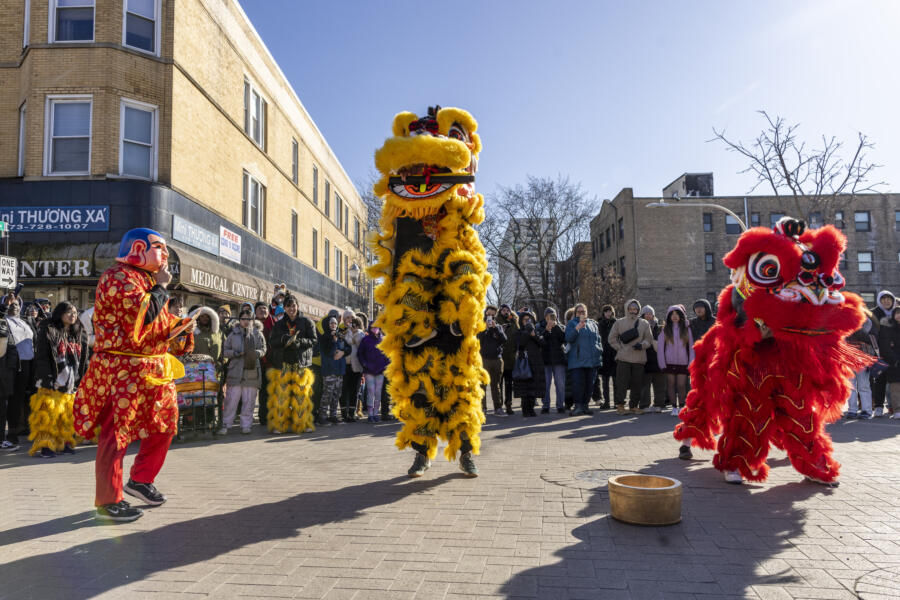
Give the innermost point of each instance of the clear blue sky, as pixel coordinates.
(613, 94)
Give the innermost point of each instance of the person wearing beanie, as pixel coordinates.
(654, 378)
(224, 320)
(630, 337)
(608, 368)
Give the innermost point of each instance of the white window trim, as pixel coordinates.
(20, 163)
(26, 35)
(248, 114)
(261, 214)
(51, 26)
(295, 161)
(315, 185)
(48, 131)
(870, 262)
(154, 137)
(157, 19)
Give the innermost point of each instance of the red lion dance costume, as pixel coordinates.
(128, 389)
(775, 369)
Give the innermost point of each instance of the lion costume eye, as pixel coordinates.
(457, 133)
(764, 269)
(419, 190)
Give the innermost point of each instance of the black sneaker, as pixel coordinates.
(588, 412)
(467, 465)
(120, 512)
(145, 491)
(67, 449)
(510, 411)
(47, 453)
(419, 466)
(545, 411)
(333, 420)
(684, 453)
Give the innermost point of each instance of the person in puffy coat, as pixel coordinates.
(555, 362)
(373, 362)
(674, 352)
(607, 371)
(585, 357)
(529, 343)
(244, 346)
(864, 339)
(208, 339)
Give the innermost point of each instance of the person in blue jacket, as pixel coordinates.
(332, 348)
(585, 357)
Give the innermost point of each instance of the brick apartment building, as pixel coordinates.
(169, 114)
(674, 255)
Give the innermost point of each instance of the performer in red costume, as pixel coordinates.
(775, 369)
(128, 390)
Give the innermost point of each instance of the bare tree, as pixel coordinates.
(605, 287)
(810, 179)
(372, 202)
(528, 228)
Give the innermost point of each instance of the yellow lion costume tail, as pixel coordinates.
(52, 422)
(290, 400)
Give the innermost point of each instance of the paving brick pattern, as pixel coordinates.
(332, 515)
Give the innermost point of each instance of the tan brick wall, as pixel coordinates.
(207, 51)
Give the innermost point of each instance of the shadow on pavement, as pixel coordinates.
(104, 565)
(725, 543)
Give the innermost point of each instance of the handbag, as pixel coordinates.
(630, 335)
(522, 368)
(877, 368)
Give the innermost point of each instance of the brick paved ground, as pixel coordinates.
(332, 515)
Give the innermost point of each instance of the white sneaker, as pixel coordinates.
(654, 409)
(499, 412)
(896, 415)
(245, 430)
(879, 412)
(733, 477)
(675, 411)
(222, 431)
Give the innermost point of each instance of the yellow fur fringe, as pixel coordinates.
(290, 399)
(452, 383)
(52, 422)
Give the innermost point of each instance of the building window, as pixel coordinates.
(754, 219)
(315, 249)
(338, 271)
(338, 212)
(294, 234)
(732, 225)
(356, 232)
(137, 143)
(26, 36)
(68, 144)
(864, 262)
(839, 219)
(707, 222)
(346, 269)
(327, 257)
(896, 217)
(72, 20)
(861, 220)
(842, 263)
(868, 297)
(20, 167)
(608, 244)
(621, 228)
(815, 220)
(622, 266)
(315, 185)
(708, 262)
(140, 29)
(346, 220)
(254, 205)
(255, 109)
(295, 161)
(774, 218)
(327, 199)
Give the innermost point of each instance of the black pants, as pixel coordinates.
(9, 415)
(507, 388)
(385, 402)
(23, 390)
(629, 379)
(349, 391)
(317, 388)
(879, 391)
(263, 401)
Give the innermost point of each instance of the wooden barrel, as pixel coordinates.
(645, 499)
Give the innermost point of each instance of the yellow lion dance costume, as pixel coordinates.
(434, 278)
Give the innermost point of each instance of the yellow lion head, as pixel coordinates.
(429, 161)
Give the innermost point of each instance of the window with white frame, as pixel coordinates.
(315, 249)
(315, 185)
(295, 161)
(71, 20)
(327, 199)
(862, 221)
(708, 261)
(20, 167)
(254, 217)
(26, 34)
(327, 269)
(731, 225)
(67, 149)
(338, 211)
(356, 232)
(338, 271)
(140, 29)
(294, 234)
(346, 220)
(868, 297)
(346, 269)
(137, 132)
(864, 261)
(254, 115)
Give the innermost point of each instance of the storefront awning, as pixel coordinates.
(69, 263)
(196, 273)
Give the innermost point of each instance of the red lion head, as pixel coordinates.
(787, 279)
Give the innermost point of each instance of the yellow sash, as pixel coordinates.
(172, 367)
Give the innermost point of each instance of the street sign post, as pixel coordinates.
(9, 268)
